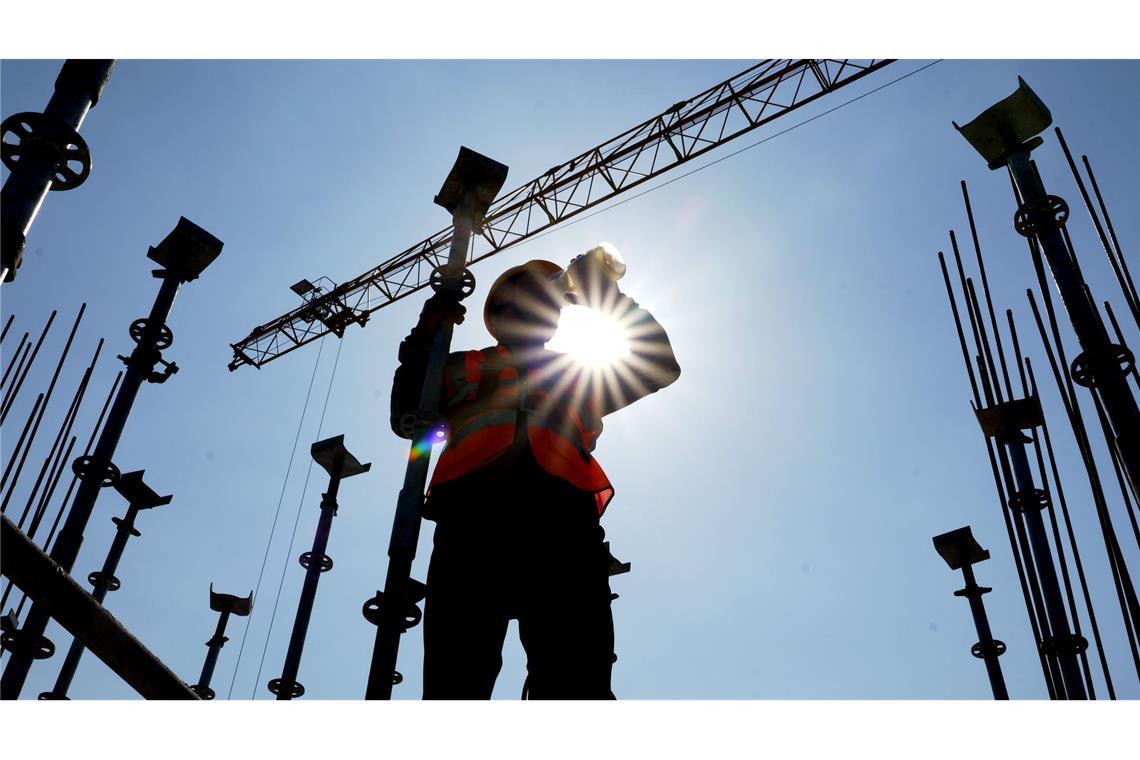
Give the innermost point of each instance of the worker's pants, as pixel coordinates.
(518, 544)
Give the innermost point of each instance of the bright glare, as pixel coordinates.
(592, 338)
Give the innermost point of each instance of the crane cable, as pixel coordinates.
(276, 515)
(296, 522)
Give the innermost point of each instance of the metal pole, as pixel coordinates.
(339, 464)
(406, 525)
(215, 644)
(1061, 643)
(184, 253)
(961, 551)
(226, 604)
(467, 193)
(49, 154)
(988, 649)
(1098, 366)
(286, 687)
(139, 496)
(103, 582)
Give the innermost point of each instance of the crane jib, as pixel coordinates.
(684, 131)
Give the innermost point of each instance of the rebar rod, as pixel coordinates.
(1126, 284)
(86, 451)
(20, 350)
(958, 327)
(972, 299)
(1116, 469)
(986, 289)
(1108, 250)
(19, 447)
(41, 508)
(18, 381)
(47, 398)
(74, 478)
(57, 444)
(73, 412)
(7, 324)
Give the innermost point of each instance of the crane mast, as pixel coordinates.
(684, 131)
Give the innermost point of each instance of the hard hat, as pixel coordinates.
(538, 267)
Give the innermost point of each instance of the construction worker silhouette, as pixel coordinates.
(516, 494)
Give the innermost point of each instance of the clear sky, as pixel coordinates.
(777, 503)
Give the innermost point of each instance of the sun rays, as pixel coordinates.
(594, 339)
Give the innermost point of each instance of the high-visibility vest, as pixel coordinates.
(483, 411)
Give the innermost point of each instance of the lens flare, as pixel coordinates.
(434, 437)
(592, 338)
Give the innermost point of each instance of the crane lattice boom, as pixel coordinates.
(681, 133)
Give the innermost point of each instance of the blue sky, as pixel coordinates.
(776, 503)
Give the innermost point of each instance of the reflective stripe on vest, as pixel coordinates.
(483, 427)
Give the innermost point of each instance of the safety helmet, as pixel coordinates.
(538, 267)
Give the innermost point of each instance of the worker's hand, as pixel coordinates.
(444, 306)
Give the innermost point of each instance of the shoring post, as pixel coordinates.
(1004, 135)
(139, 496)
(339, 464)
(1004, 422)
(183, 255)
(467, 193)
(226, 605)
(47, 154)
(961, 552)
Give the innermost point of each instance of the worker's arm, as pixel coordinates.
(408, 383)
(650, 365)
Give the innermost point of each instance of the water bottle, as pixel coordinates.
(589, 275)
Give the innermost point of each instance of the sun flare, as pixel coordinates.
(590, 337)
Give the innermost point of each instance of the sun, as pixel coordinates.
(592, 338)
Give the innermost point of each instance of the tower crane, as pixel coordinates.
(682, 132)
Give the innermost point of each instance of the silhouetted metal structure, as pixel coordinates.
(41, 493)
(226, 604)
(1004, 135)
(961, 552)
(46, 153)
(183, 255)
(139, 496)
(339, 464)
(1015, 425)
(684, 131)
